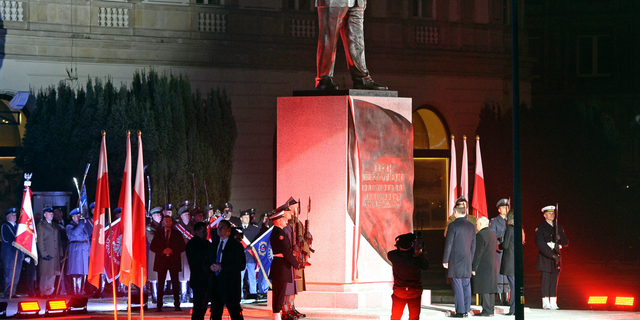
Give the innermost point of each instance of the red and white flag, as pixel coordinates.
(26, 234)
(139, 224)
(464, 171)
(453, 177)
(113, 250)
(97, 261)
(479, 195)
(213, 225)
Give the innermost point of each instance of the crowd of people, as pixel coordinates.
(196, 254)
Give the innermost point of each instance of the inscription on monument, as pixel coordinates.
(382, 188)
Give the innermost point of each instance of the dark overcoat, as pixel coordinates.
(152, 227)
(544, 234)
(459, 248)
(158, 244)
(197, 250)
(281, 267)
(79, 236)
(507, 246)
(484, 263)
(226, 285)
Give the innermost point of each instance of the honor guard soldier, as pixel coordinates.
(498, 225)
(12, 263)
(167, 210)
(79, 233)
(548, 262)
(209, 212)
(185, 226)
(250, 233)
(227, 211)
(153, 228)
(283, 262)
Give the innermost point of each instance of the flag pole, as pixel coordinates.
(113, 271)
(129, 303)
(141, 295)
(15, 261)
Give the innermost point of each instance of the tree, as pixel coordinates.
(183, 133)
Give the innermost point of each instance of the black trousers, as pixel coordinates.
(162, 276)
(199, 301)
(233, 306)
(488, 303)
(279, 292)
(549, 283)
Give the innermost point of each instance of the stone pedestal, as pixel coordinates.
(316, 159)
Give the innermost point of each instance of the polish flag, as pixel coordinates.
(464, 171)
(453, 178)
(479, 195)
(96, 263)
(26, 234)
(133, 267)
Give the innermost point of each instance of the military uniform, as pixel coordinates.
(186, 229)
(547, 259)
(49, 253)
(8, 253)
(499, 226)
(152, 275)
(79, 236)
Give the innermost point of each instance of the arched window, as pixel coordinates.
(431, 155)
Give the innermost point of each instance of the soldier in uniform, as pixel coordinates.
(507, 266)
(283, 262)
(250, 232)
(79, 233)
(185, 226)
(152, 229)
(11, 263)
(547, 258)
(227, 211)
(49, 252)
(167, 210)
(499, 226)
(168, 245)
(342, 18)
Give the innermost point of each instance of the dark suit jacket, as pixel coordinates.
(159, 243)
(281, 267)
(459, 248)
(197, 250)
(484, 263)
(508, 257)
(226, 285)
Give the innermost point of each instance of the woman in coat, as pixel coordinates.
(49, 252)
(79, 233)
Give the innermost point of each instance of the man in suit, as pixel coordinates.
(226, 261)
(167, 244)
(459, 248)
(484, 267)
(283, 261)
(344, 18)
(197, 249)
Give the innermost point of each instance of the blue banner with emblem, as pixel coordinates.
(261, 248)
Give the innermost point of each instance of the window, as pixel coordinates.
(299, 5)
(431, 169)
(422, 8)
(595, 56)
(212, 2)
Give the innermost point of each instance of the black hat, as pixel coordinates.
(11, 211)
(47, 209)
(117, 210)
(461, 199)
(167, 206)
(286, 205)
(502, 203)
(227, 205)
(273, 215)
(196, 211)
(185, 203)
(209, 207)
(248, 212)
(405, 241)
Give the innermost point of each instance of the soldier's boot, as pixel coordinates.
(184, 293)
(154, 291)
(77, 286)
(545, 303)
(553, 303)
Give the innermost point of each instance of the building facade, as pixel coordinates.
(450, 56)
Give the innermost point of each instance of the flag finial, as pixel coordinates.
(27, 178)
(453, 137)
(104, 133)
(478, 138)
(128, 133)
(464, 138)
(139, 133)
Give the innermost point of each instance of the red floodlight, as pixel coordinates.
(624, 301)
(56, 307)
(28, 308)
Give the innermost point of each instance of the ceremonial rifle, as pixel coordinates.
(307, 234)
(206, 192)
(193, 178)
(149, 201)
(556, 238)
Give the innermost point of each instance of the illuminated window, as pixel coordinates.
(431, 169)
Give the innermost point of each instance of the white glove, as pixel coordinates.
(551, 244)
(27, 259)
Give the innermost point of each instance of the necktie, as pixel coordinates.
(167, 234)
(219, 254)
